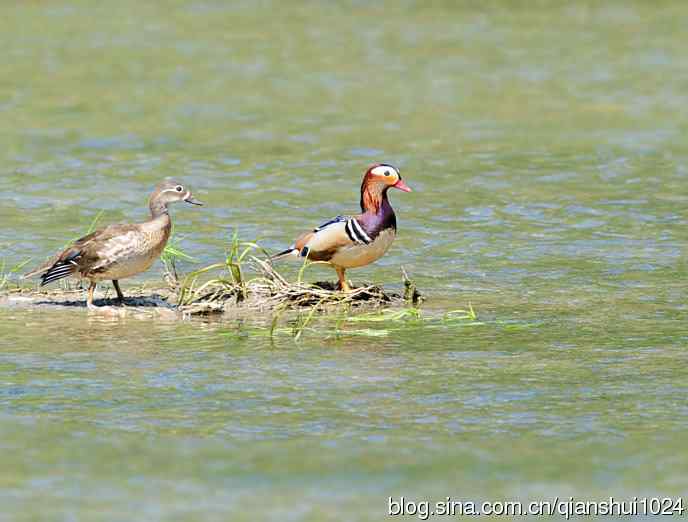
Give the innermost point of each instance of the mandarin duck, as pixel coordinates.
(118, 251)
(354, 241)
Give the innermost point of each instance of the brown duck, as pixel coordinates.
(118, 251)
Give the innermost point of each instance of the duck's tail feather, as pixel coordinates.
(59, 270)
(284, 254)
(37, 271)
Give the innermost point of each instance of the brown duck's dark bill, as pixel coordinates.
(193, 201)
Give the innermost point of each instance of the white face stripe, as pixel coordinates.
(174, 190)
(382, 170)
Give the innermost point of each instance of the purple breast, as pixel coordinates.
(375, 222)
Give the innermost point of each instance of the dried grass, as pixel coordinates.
(270, 291)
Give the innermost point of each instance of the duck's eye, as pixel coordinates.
(178, 188)
(388, 173)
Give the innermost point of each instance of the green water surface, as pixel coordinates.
(546, 146)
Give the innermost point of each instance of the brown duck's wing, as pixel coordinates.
(80, 255)
(108, 247)
(106, 234)
(66, 263)
(67, 254)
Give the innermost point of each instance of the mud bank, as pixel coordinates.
(216, 300)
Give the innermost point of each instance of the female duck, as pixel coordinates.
(354, 241)
(118, 251)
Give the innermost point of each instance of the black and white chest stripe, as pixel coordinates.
(356, 233)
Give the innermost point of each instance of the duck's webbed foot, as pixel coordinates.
(342, 285)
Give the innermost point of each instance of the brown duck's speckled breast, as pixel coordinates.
(130, 252)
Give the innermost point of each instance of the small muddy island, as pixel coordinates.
(220, 291)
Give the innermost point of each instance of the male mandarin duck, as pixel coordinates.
(354, 241)
(118, 251)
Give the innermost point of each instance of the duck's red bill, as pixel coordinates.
(402, 186)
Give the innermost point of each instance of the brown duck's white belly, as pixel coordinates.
(361, 254)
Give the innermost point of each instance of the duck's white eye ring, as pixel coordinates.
(178, 188)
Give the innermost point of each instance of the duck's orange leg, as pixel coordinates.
(343, 285)
(89, 301)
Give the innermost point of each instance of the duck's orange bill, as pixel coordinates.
(402, 186)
